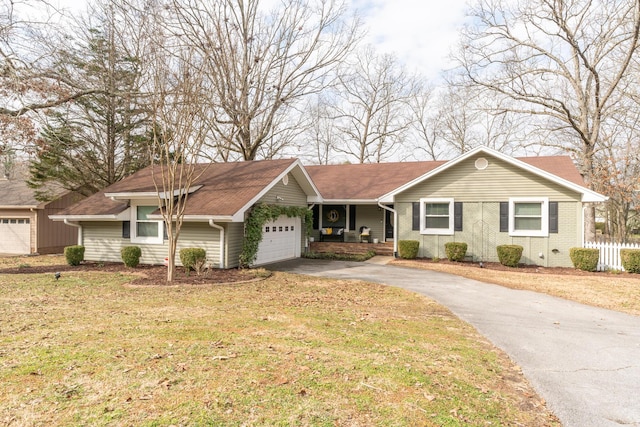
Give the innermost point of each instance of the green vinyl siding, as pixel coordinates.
(103, 241)
(234, 232)
(499, 181)
(287, 195)
(482, 235)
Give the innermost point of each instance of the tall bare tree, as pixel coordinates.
(177, 83)
(370, 106)
(566, 62)
(261, 63)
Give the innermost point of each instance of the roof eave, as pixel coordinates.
(122, 216)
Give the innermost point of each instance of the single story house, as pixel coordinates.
(483, 197)
(124, 214)
(25, 227)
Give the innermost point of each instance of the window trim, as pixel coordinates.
(133, 230)
(423, 217)
(544, 217)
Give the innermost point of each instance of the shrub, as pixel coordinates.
(193, 259)
(509, 255)
(408, 248)
(630, 260)
(455, 250)
(585, 259)
(131, 255)
(74, 254)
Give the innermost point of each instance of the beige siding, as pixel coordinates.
(481, 225)
(291, 194)
(498, 181)
(103, 241)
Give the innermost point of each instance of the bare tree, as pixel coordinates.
(178, 79)
(424, 125)
(566, 62)
(370, 106)
(320, 137)
(262, 63)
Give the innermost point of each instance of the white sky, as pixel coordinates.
(419, 32)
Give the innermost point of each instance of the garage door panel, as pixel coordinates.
(280, 240)
(15, 236)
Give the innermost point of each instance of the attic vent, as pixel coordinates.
(481, 163)
(285, 179)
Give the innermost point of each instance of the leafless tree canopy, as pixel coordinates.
(566, 64)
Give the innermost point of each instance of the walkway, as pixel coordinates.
(584, 361)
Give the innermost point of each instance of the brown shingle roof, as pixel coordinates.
(16, 193)
(366, 181)
(226, 188)
(561, 166)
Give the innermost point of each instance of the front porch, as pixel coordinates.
(385, 248)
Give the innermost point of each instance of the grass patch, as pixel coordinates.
(289, 350)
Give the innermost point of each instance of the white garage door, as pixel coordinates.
(280, 240)
(15, 236)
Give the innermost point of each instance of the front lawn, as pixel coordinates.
(91, 349)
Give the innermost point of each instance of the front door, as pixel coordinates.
(388, 224)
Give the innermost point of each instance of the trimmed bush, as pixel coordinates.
(408, 248)
(131, 255)
(509, 255)
(455, 250)
(585, 259)
(74, 254)
(193, 259)
(630, 260)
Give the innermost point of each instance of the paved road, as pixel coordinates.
(584, 361)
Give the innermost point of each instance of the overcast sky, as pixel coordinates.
(419, 32)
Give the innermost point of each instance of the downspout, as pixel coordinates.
(221, 229)
(79, 227)
(395, 227)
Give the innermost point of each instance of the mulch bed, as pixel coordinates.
(148, 274)
(530, 269)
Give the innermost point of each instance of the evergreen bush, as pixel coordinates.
(131, 255)
(630, 260)
(455, 251)
(193, 259)
(509, 255)
(74, 254)
(408, 248)
(585, 259)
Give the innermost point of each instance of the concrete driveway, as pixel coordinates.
(584, 361)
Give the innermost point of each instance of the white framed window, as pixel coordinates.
(436, 216)
(529, 216)
(144, 230)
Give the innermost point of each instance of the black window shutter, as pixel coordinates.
(457, 216)
(416, 216)
(126, 229)
(553, 217)
(164, 230)
(504, 216)
(352, 217)
(316, 217)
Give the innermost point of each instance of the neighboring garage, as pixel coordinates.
(15, 235)
(280, 240)
(25, 227)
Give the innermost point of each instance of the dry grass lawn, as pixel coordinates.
(91, 349)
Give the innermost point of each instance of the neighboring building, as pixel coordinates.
(25, 227)
(483, 198)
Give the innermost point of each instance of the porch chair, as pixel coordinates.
(364, 233)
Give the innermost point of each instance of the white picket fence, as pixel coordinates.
(610, 254)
